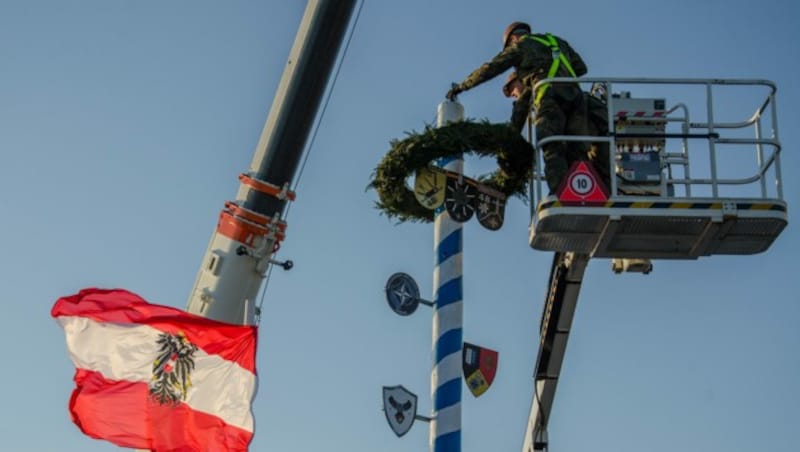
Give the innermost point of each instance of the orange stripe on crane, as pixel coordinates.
(250, 215)
(266, 187)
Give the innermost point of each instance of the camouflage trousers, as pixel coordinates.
(566, 110)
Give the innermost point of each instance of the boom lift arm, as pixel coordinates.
(566, 276)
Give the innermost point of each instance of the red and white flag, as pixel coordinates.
(155, 377)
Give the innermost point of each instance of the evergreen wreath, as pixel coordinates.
(513, 153)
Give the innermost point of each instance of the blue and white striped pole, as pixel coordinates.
(445, 428)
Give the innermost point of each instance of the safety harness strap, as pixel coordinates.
(558, 58)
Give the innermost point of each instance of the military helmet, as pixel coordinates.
(515, 26)
(507, 87)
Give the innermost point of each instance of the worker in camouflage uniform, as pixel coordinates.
(597, 125)
(560, 109)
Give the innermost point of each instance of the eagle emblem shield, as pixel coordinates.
(400, 407)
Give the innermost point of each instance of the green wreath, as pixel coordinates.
(513, 153)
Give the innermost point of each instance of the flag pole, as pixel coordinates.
(447, 336)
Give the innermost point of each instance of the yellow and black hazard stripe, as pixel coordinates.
(669, 205)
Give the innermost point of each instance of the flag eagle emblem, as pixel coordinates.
(172, 369)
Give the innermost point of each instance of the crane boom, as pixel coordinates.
(250, 228)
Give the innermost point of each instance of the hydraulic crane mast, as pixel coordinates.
(250, 228)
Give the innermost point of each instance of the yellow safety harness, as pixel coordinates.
(558, 58)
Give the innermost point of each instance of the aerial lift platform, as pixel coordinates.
(656, 207)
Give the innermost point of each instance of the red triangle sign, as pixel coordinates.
(582, 185)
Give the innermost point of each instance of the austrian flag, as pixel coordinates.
(158, 378)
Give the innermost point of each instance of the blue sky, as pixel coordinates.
(124, 125)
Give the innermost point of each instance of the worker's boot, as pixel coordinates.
(553, 179)
(555, 164)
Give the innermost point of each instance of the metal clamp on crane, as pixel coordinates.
(249, 227)
(282, 193)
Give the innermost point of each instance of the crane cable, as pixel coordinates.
(309, 147)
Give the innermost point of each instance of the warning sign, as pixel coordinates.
(582, 185)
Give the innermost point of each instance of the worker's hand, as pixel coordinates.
(454, 90)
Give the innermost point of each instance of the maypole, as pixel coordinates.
(445, 428)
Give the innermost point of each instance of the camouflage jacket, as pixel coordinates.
(532, 60)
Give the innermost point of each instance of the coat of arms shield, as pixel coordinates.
(490, 206)
(429, 187)
(480, 366)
